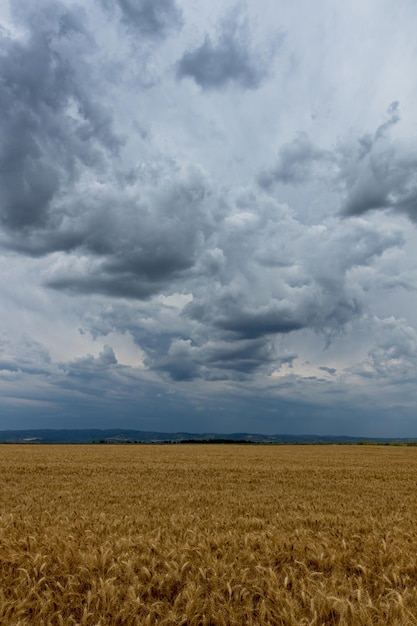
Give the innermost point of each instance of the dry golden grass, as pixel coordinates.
(232, 535)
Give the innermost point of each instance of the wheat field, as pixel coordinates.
(208, 534)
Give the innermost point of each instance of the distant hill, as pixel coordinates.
(120, 435)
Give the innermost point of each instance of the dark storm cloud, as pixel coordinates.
(119, 281)
(309, 290)
(215, 293)
(219, 360)
(127, 236)
(240, 310)
(387, 180)
(242, 355)
(230, 58)
(50, 124)
(155, 237)
(325, 307)
(257, 323)
(182, 235)
(149, 18)
(381, 174)
(181, 361)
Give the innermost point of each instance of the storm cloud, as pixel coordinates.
(198, 228)
(53, 129)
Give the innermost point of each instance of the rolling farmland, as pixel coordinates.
(208, 534)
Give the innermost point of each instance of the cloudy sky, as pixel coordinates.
(208, 215)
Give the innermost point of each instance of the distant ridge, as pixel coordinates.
(121, 435)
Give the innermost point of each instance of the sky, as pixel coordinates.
(208, 216)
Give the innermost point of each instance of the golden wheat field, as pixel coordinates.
(208, 534)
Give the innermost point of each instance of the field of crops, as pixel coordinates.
(208, 534)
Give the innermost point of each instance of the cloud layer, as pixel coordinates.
(196, 235)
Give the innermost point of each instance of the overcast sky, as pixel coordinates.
(208, 215)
